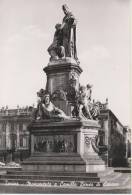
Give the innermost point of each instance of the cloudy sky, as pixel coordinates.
(27, 29)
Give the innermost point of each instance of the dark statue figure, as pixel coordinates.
(46, 109)
(64, 42)
(56, 50)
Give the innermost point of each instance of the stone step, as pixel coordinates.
(54, 162)
(53, 154)
(58, 166)
(3, 170)
(60, 178)
(122, 170)
(45, 173)
(54, 158)
(52, 182)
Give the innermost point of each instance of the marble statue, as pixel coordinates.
(84, 108)
(84, 101)
(69, 32)
(56, 50)
(68, 134)
(46, 109)
(64, 42)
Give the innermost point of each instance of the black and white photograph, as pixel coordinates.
(65, 125)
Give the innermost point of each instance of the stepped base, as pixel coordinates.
(67, 145)
(52, 178)
(122, 169)
(64, 152)
(65, 163)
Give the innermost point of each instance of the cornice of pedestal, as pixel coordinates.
(63, 61)
(51, 124)
(61, 65)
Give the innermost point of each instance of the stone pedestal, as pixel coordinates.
(63, 79)
(64, 146)
(59, 73)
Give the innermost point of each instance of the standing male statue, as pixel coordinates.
(64, 42)
(69, 32)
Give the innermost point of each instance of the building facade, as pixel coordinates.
(14, 136)
(128, 145)
(114, 136)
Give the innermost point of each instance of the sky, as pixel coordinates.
(103, 47)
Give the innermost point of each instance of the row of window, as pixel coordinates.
(12, 142)
(12, 126)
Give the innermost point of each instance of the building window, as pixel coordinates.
(4, 126)
(13, 138)
(0, 141)
(20, 127)
(24, 127)
(23, 141)
(12, 127)
(101, 138)
(0, 127)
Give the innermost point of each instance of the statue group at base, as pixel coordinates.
(83, 108)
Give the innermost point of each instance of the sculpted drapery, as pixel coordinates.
(64, 42)
(69, 33)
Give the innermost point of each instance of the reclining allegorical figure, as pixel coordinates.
(46, 109)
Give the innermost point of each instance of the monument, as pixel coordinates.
(64, 129)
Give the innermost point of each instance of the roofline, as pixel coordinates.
(110, 112)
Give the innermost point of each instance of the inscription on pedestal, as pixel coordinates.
(55, 143)
(57, 81)
(60, 80)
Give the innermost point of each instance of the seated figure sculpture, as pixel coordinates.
(46, 109)
(56, 50)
